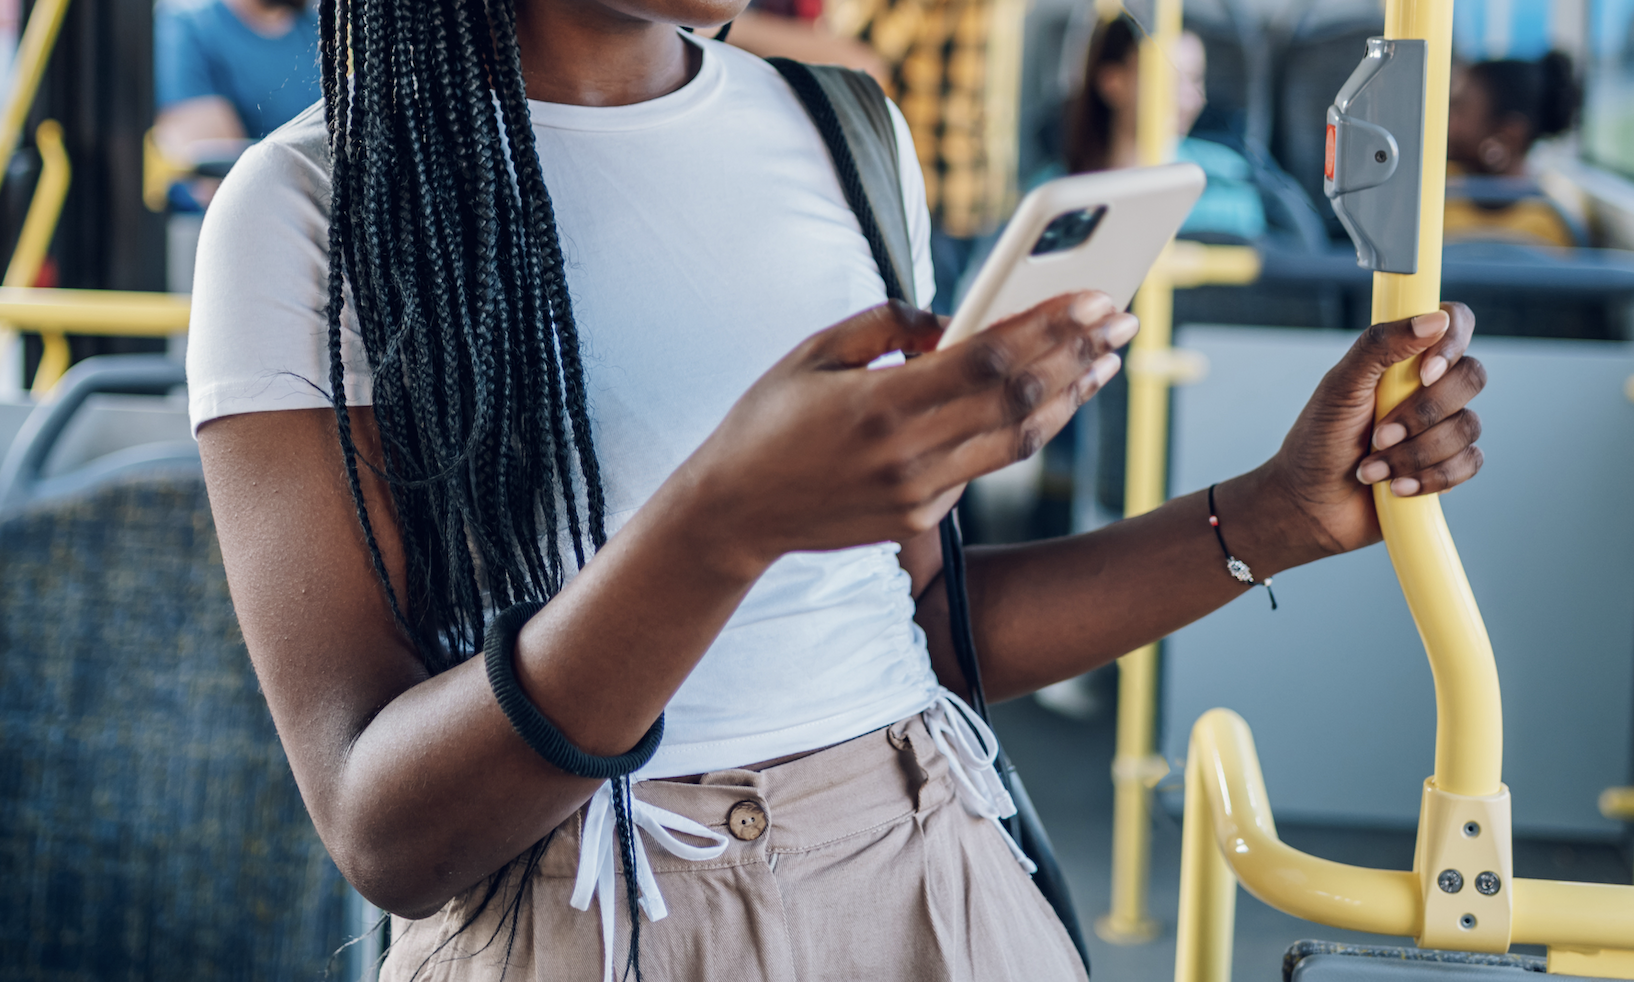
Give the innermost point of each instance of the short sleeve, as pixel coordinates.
(181, 70)
(918, 212)
(259, 338)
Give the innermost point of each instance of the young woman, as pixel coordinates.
(620, 395)
(1100, 128)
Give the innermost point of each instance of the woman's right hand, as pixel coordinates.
(822, 453)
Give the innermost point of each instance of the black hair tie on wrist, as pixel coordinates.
(532, 726)
(1236, 567)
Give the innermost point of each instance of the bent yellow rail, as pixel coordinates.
(1230, 836)
(33, 51)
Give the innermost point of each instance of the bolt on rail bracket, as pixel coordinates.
(1375, 154)
(1466, 870)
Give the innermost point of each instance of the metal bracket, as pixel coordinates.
(1466, 870)
(1375, 154)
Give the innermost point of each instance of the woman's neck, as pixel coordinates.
(588, 54)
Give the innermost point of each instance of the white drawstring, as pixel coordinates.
(599, 842)
(970, 750)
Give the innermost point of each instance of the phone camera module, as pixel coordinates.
(1069, 230)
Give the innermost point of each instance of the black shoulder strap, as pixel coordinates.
(854, 120)
(851, 115)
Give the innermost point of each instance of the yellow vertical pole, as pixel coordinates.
(33, 50)
(32, 242)
(26, 259)
(1469, 721)
(1208, 889)
(1135, 767)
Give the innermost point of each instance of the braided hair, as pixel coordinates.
(1543, 92)
(443, 231)
(1087, 129)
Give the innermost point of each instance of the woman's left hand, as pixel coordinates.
(1335, 452)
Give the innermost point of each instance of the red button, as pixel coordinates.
(1327, 167)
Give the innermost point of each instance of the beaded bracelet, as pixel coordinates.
(1236, 567)
(532, 726)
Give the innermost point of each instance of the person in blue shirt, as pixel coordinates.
(228, 72)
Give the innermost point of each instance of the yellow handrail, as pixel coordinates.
(1230, 835)
(1469, 714)
(33, 51)
(38, 227)
(1153, 368)
(127, 313)
(1135, 766)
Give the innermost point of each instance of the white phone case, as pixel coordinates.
(1143, 208)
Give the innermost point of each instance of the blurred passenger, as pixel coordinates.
(796, 29)
(228, 72)
(1497, 111)
(955, 71)
(1100, 129)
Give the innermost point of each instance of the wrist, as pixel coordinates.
(1264, 525)
(711, 529)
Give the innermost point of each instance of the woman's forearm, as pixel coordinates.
(419, 785)
(1046, 611)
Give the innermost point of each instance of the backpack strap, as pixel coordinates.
(854, 120)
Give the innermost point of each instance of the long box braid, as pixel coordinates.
(442, 232)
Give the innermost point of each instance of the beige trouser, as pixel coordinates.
(866, 867)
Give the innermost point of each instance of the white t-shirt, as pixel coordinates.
(705, 235)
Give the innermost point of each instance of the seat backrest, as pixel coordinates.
(23, 466)
(1319, 58)
(1329, 961)
(149, 824)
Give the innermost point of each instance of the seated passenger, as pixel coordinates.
(1498, 110)
(1100, 129)
(227, 72)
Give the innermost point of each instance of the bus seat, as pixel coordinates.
(1327, 961)
(1317, 59)
(149, 823)
(23, 471)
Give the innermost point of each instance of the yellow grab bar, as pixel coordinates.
(1145, 481)
(56, 313)
(1469, 714)
(33, 51)
(1153, 366)
(1223, 770)
(43, 210)
(1230, 835)
(129, 313)
(39, 225)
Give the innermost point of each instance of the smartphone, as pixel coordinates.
(1099, 231)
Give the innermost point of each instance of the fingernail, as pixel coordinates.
(1429, 325)
(1433, 368)
(1090, 308)
(1122, 330)
(1104, 368)
(1404, 487)
(1388, 436)
(1373, 472)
